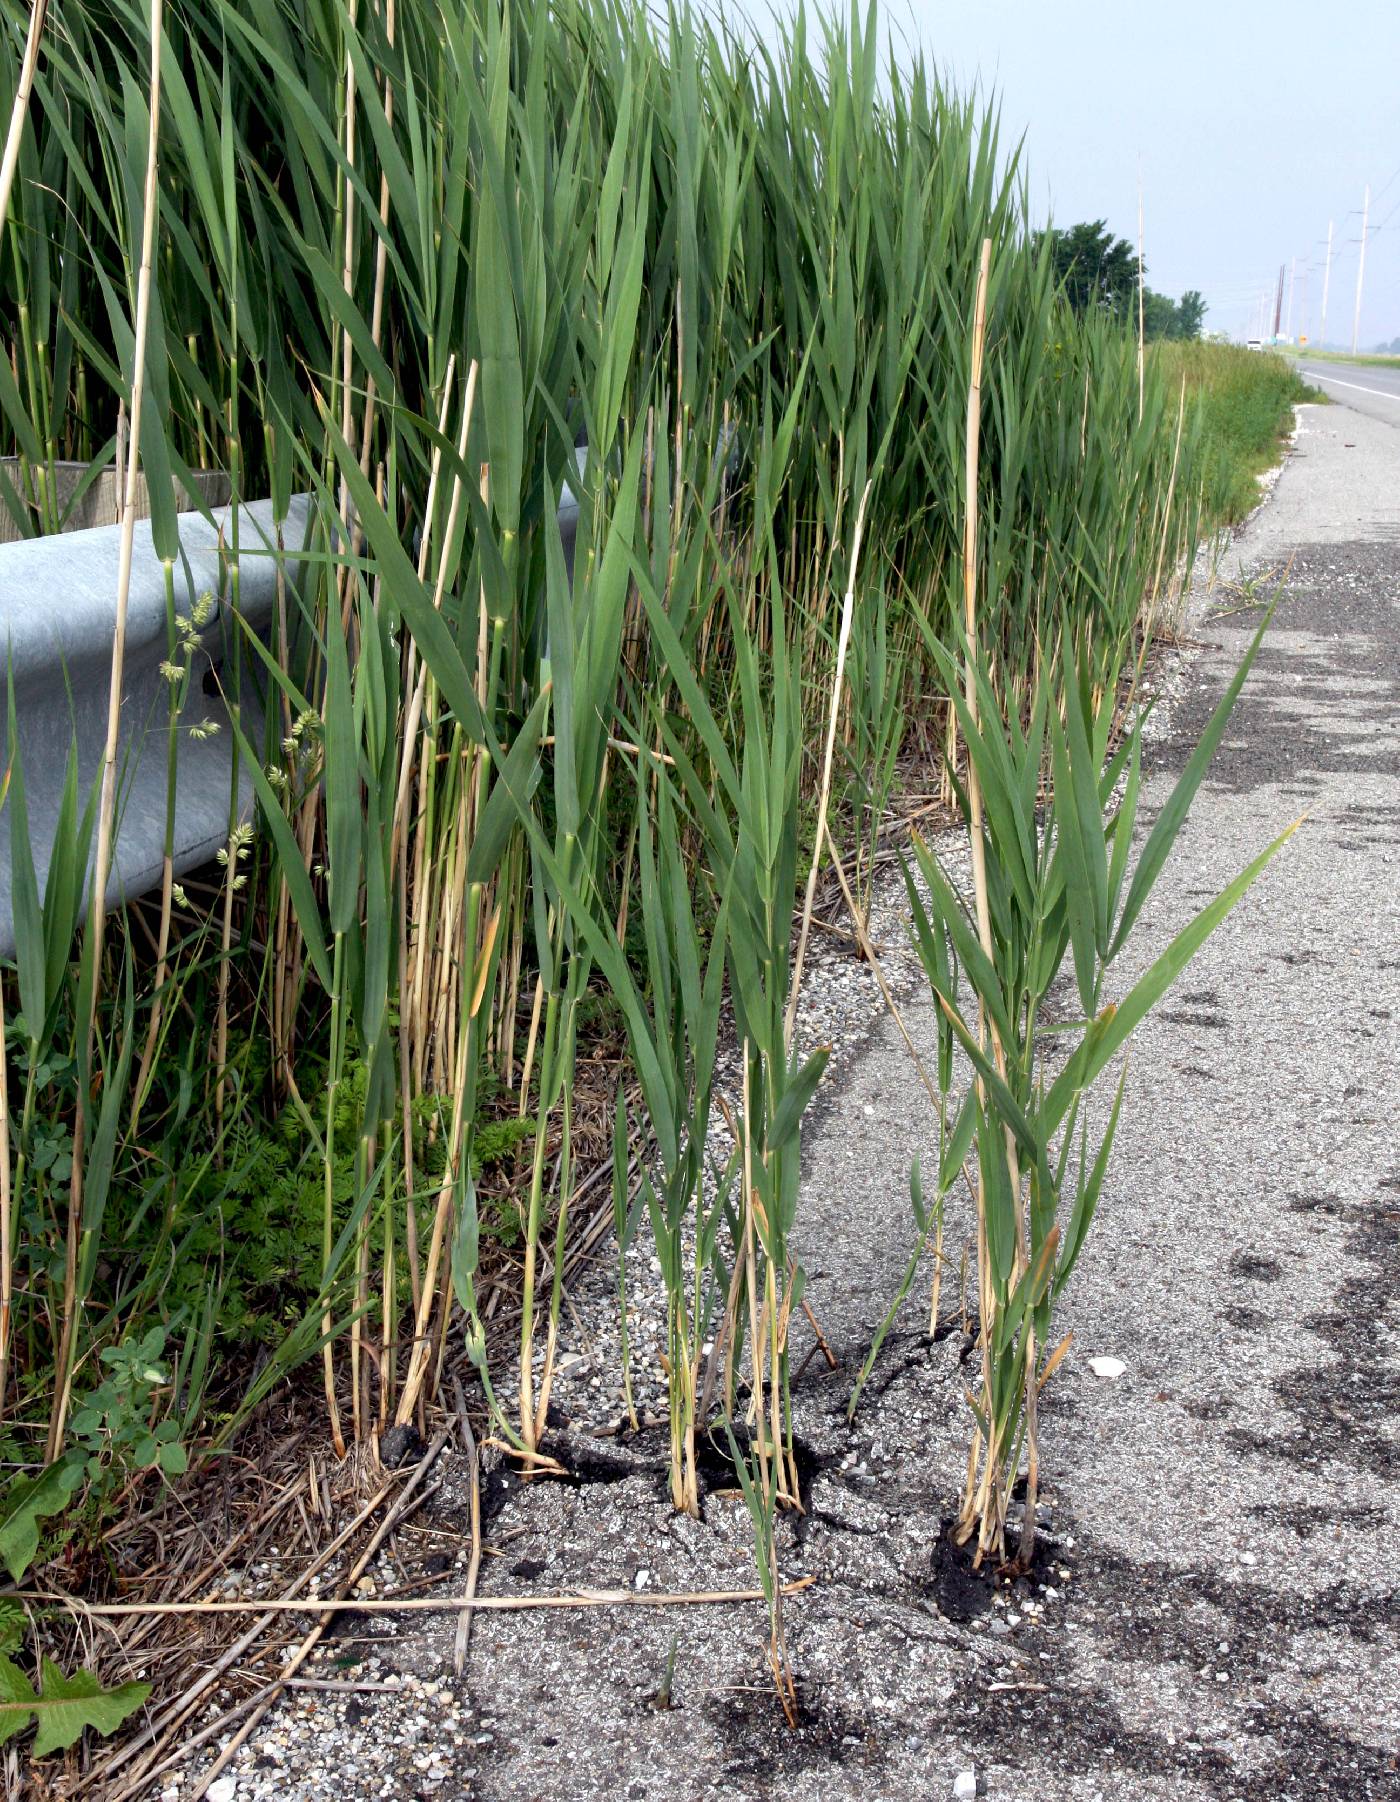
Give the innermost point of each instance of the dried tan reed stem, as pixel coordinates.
(824, 798)
(108, 803)
(381, 254)
(579, 1598)
(982, 1505)
(15, 134)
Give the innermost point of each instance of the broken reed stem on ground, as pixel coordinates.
(580, 1598)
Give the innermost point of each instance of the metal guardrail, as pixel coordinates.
(57, 613)
(58, 598)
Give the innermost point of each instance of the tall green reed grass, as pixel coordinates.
(429, 263)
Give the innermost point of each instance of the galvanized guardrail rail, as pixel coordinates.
(58, 597)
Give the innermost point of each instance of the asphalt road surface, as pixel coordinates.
(1366, 387)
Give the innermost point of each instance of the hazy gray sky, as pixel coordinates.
(1255, 125)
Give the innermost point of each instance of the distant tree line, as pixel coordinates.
(1098, 270)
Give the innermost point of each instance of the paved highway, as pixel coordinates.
(1368, 387)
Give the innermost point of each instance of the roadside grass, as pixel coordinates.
(1246, 403)
(1377, 359)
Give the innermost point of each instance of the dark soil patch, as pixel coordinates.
(1080, 1730)
(762, 1747)
(1344, 1407)
(963, 1593)
(714, 1460)
(1255, 1269)
(1154, 1615)
(1072, 1729)
(585, 1466)
(1209, 1407)
(901, 1353)
(1307, 1520)
(1316, 1204)
(1180, 1614)
(582, 1468)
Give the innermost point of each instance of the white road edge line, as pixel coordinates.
(1337, 382)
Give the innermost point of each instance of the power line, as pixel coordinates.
(1390, 178)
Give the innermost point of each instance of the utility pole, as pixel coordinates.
(1278, 303)
(1292, 279)
(1360, 270)
(1141, 333)
(1326, 278)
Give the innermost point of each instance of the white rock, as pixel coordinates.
(222, 1789)
(965, 1786)
(642, 1578)
(1108, 1367)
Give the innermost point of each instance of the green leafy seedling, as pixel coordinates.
(62, 1706)
(26, 1502)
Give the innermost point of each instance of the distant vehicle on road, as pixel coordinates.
(1254, 344)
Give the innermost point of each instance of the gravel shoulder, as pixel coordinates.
(1214, 1618)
